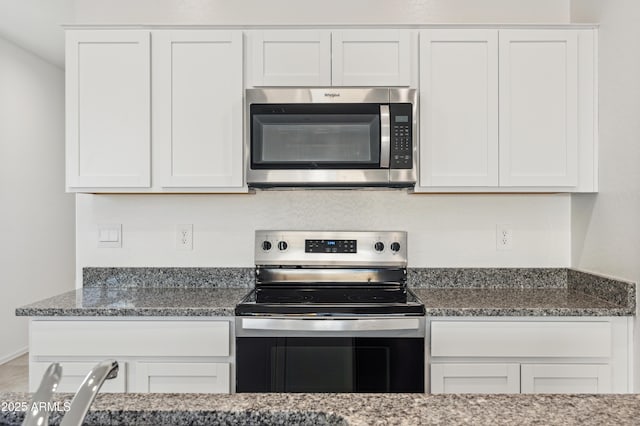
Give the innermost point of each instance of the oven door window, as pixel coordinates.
(325, 136)
(330, 364)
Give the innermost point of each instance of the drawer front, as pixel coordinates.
(73, 374)
(521, 339)
(129, 338)
(177, 377)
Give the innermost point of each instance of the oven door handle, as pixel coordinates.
(385, 137)
(285, 324)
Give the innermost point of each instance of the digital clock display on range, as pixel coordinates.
(330, 246)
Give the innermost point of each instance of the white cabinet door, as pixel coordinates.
(566, 378)
(538, 108)
(371, 58)
(182, 377)
(73, 374)
(475, 378)
(198, 108)
(108, 108)
(291, 58)
(459, 108)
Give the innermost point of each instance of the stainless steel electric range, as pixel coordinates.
(331, 312)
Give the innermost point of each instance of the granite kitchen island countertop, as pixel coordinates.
(350, 409)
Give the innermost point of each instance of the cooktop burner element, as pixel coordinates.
(330, 273)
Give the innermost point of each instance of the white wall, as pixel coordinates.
(319, 12)
(606, 227)
(36, 25)
(445, 230)
(36, 216)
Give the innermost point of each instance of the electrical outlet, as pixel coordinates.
(184, 237)
(504, 237)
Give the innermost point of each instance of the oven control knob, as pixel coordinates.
(282, 245)
(395, 247)
(379, 246)
(266, 245)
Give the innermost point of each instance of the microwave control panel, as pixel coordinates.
(401, 150)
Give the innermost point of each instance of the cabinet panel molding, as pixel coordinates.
(475, 378)
(74, 373)
(176, 377)
(129, 338)
(521, 338)
(459, 108)
(108, 106)
(291, 58)
(198, 116)
(538, 108)
(566, 378)
(371, 57)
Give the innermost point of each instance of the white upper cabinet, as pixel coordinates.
(291, 58)
(538, 108)
(508, 110)
(371, 58)
(180, 131)
(108, 83)
(459, 108)
(325, 58)
(198, 114)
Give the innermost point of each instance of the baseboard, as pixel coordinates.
(14, 355)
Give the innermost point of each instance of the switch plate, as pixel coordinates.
(504, 237)
(110, 235)
(184, 237)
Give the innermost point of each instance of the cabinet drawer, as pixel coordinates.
(129, 338)
(73, 373)
(178, 377)
(521, 338)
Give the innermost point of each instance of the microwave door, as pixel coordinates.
(316, 136)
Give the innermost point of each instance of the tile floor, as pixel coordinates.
(14, 375)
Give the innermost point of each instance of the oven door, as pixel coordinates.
(330, 355)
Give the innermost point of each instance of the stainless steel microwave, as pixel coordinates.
(331, 137)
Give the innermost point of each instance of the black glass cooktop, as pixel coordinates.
(330, 300)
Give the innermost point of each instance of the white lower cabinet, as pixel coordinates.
(520, 378)
(475, 378)
(154, 355)
(73, 373)
(565, 378)
(530, 355)
(182, 377)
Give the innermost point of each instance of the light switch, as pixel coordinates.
(110, 235)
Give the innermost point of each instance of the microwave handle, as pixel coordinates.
(385, 137)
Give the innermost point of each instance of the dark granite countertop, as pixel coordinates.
(516, 302)
(126, 301)
(352, 409)
(444, 291)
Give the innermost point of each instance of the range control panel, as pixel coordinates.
(331, 246)
(401, 150)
